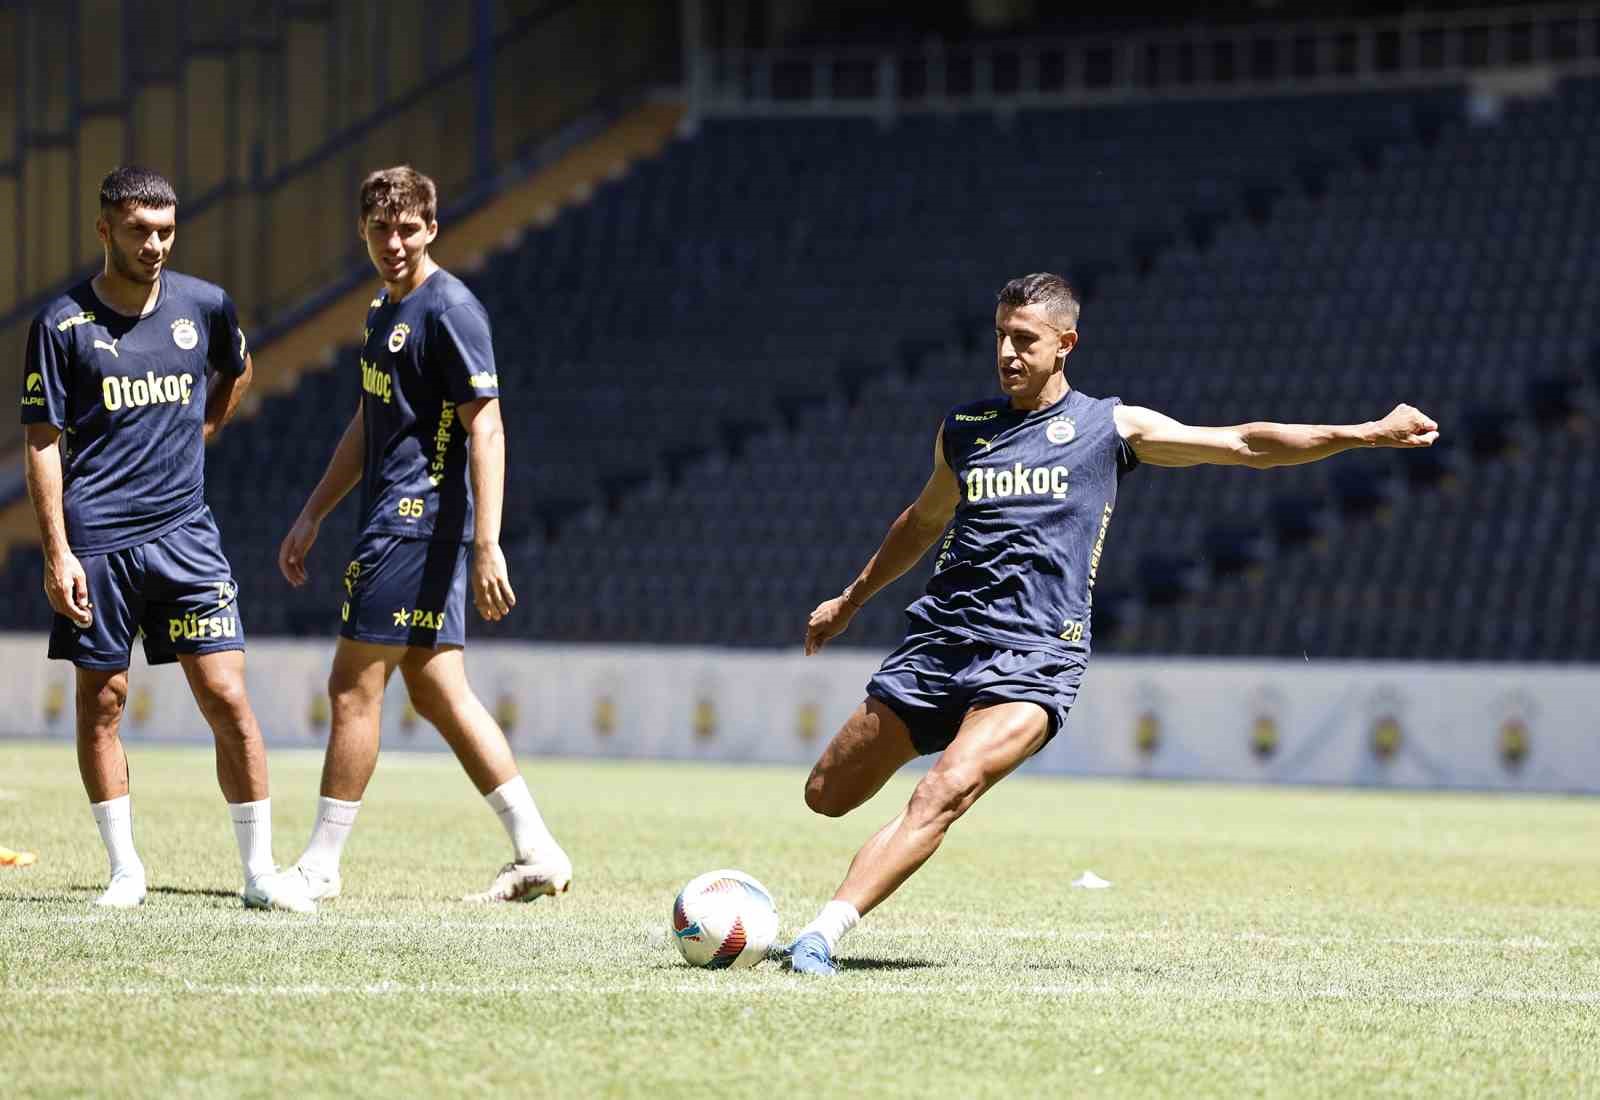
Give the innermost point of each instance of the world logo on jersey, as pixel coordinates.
(184, 334)
(397, 336)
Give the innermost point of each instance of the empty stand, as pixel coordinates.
(722, 375)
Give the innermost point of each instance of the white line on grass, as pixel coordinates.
(713, 985)
(331, 920)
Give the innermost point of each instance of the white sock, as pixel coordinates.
(513, 804)
(836, 918)
(335, 819)
(252, 828)
(115, 822)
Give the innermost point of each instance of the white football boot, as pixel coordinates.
(127, 890)
(545, 876)
(277, 891)
(317, 885)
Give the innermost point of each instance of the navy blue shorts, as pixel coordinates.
(934, 678)
(177, 590)
(404, 591)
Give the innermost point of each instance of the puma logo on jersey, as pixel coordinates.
(111, 347)
(132, 393)
(988, 483)
(984, 443)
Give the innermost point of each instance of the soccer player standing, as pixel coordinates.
(427, 447)
(127, 376)
(999, 643)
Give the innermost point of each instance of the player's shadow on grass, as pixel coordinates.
(856, 962)
(190, 892)
(180, 891)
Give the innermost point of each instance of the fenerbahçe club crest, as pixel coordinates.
(397, 336)
(184, 334)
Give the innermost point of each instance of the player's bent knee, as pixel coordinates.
(428, 697)
(943, 796)
(431, 707)
(352, 693)
(223, 696)
(353, 705)
(823, 798)
(100, 703)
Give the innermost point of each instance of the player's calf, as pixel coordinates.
(101, 697)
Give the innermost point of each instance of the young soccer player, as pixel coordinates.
(999, 643)
(427, 447)
(127, 376)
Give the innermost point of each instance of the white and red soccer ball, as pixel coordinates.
(724, 920)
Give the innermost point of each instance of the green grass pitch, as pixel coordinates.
(1271, 942)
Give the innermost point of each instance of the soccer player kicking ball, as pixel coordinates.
(127, 375)
(998, 644)
(427, 447)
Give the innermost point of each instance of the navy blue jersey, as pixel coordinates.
(129, 394)
(1017, 566)
(423, 356)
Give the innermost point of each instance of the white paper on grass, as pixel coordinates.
(1091, 881)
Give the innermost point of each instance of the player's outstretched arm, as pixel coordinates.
(342, 475)
(65, 583)
(1162, 441)
(224, 391)
(908, 538)
(486, 456)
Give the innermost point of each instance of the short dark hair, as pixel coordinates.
(136, 186)
(399, 190)
(1043, 288)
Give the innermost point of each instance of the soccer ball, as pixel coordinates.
(724, 920)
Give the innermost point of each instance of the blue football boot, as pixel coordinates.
(809, 955)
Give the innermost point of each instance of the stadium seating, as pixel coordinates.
(724, 372)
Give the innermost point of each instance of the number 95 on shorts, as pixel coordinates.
(404, 591)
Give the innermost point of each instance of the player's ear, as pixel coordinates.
(102, 229)
(433, 231)
(1068, 341)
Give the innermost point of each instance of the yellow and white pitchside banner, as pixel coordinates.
(1413, 725)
